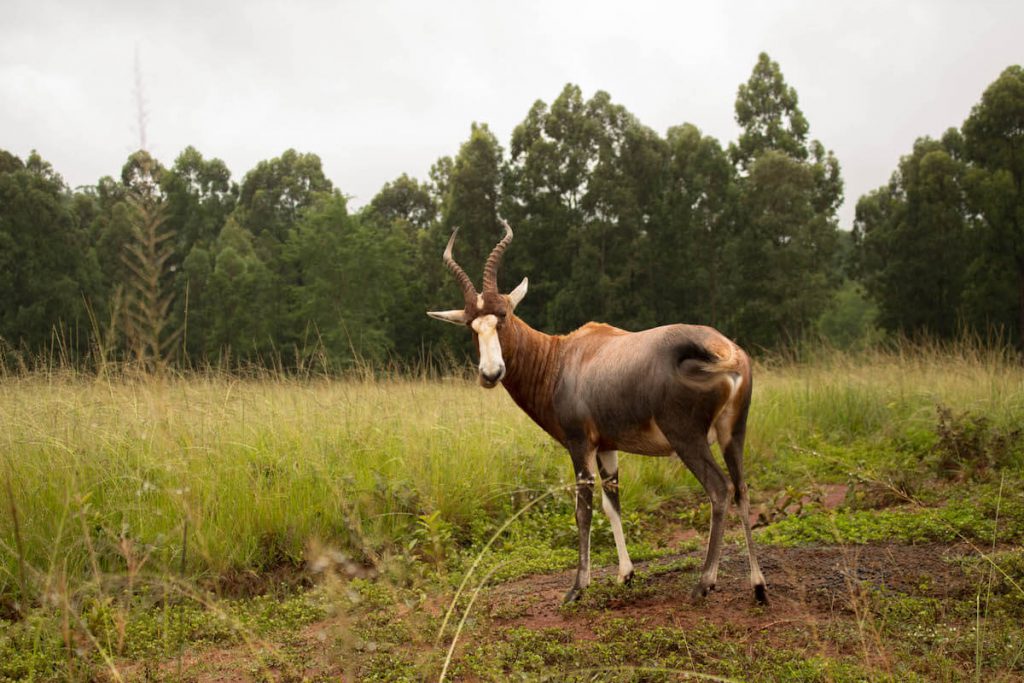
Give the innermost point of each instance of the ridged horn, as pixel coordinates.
(494, 260)
(468, 290)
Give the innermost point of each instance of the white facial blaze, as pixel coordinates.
(492, 366)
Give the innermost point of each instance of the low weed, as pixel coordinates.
(963, 519)
(970, 446)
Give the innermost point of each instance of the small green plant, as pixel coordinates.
(433, 538)
(792, 501)
(971, 446)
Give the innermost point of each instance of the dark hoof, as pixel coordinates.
(761, 594)
(574, 594)
(700, 592)
(628, 578)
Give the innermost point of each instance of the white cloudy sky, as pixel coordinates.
(379, 88)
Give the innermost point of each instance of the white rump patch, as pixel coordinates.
(724, 417)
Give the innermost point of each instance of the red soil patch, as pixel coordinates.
(808, 584)
(808, 588)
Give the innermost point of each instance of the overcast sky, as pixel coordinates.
(379, 88)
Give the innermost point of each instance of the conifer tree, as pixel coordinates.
(148, 289)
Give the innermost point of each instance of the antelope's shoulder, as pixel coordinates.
(596, 331)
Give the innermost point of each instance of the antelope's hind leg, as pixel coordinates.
(608, 465)
(584, 467)
(696, 454)
(732, 452)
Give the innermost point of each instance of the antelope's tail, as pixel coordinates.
(706, 364)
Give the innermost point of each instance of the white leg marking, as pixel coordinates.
(610, 464)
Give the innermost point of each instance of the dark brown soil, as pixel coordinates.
(807, 583)
(807, 587)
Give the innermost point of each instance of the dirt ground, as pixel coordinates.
(805, 584)
(808, 587)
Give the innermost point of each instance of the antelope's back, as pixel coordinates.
(621, 383)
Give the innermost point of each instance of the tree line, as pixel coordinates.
(181, 264)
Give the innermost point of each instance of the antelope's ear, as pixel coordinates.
(457, 317)
(517, 294)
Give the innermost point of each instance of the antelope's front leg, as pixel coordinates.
(608, 466)
(584, 464)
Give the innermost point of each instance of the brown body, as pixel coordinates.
(586, 383)
(669, 390)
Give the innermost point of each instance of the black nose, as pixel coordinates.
(492, 379)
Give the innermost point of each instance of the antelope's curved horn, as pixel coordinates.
(494, 260)
(468, 290)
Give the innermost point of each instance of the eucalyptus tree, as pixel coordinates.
(349, 279)
(405, 214)
(584, 183)
(199, 198)
(466, 190)
(272, 198)
(781, 264)
(48, 271)
(238, 289)
(689, 238)
(914, 240)
(469, 192)
(768, 112)
(994, 145)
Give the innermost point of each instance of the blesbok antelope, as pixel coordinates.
(672, 389)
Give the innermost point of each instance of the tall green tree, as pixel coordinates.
(199, 197)
(768, 112)
(994, 144)
(782, 258)
(915, 242)
(239, 293)
(110, 231)
(272, 199)
(583, 185)
(544, 185)
(467, 191)
(405, 202)
(274, 194)
(405, 214)
(47, 269)
(690, 235)
(783, 253)
(148, 326)
(348, 282)
(469, 194)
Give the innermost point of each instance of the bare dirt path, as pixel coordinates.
(809, 587)
(804, 583)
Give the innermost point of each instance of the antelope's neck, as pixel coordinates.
(531, 371)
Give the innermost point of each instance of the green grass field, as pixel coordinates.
(145, 520)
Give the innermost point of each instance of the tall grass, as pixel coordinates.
(104, 473)
(864, 404)
(258, 468)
